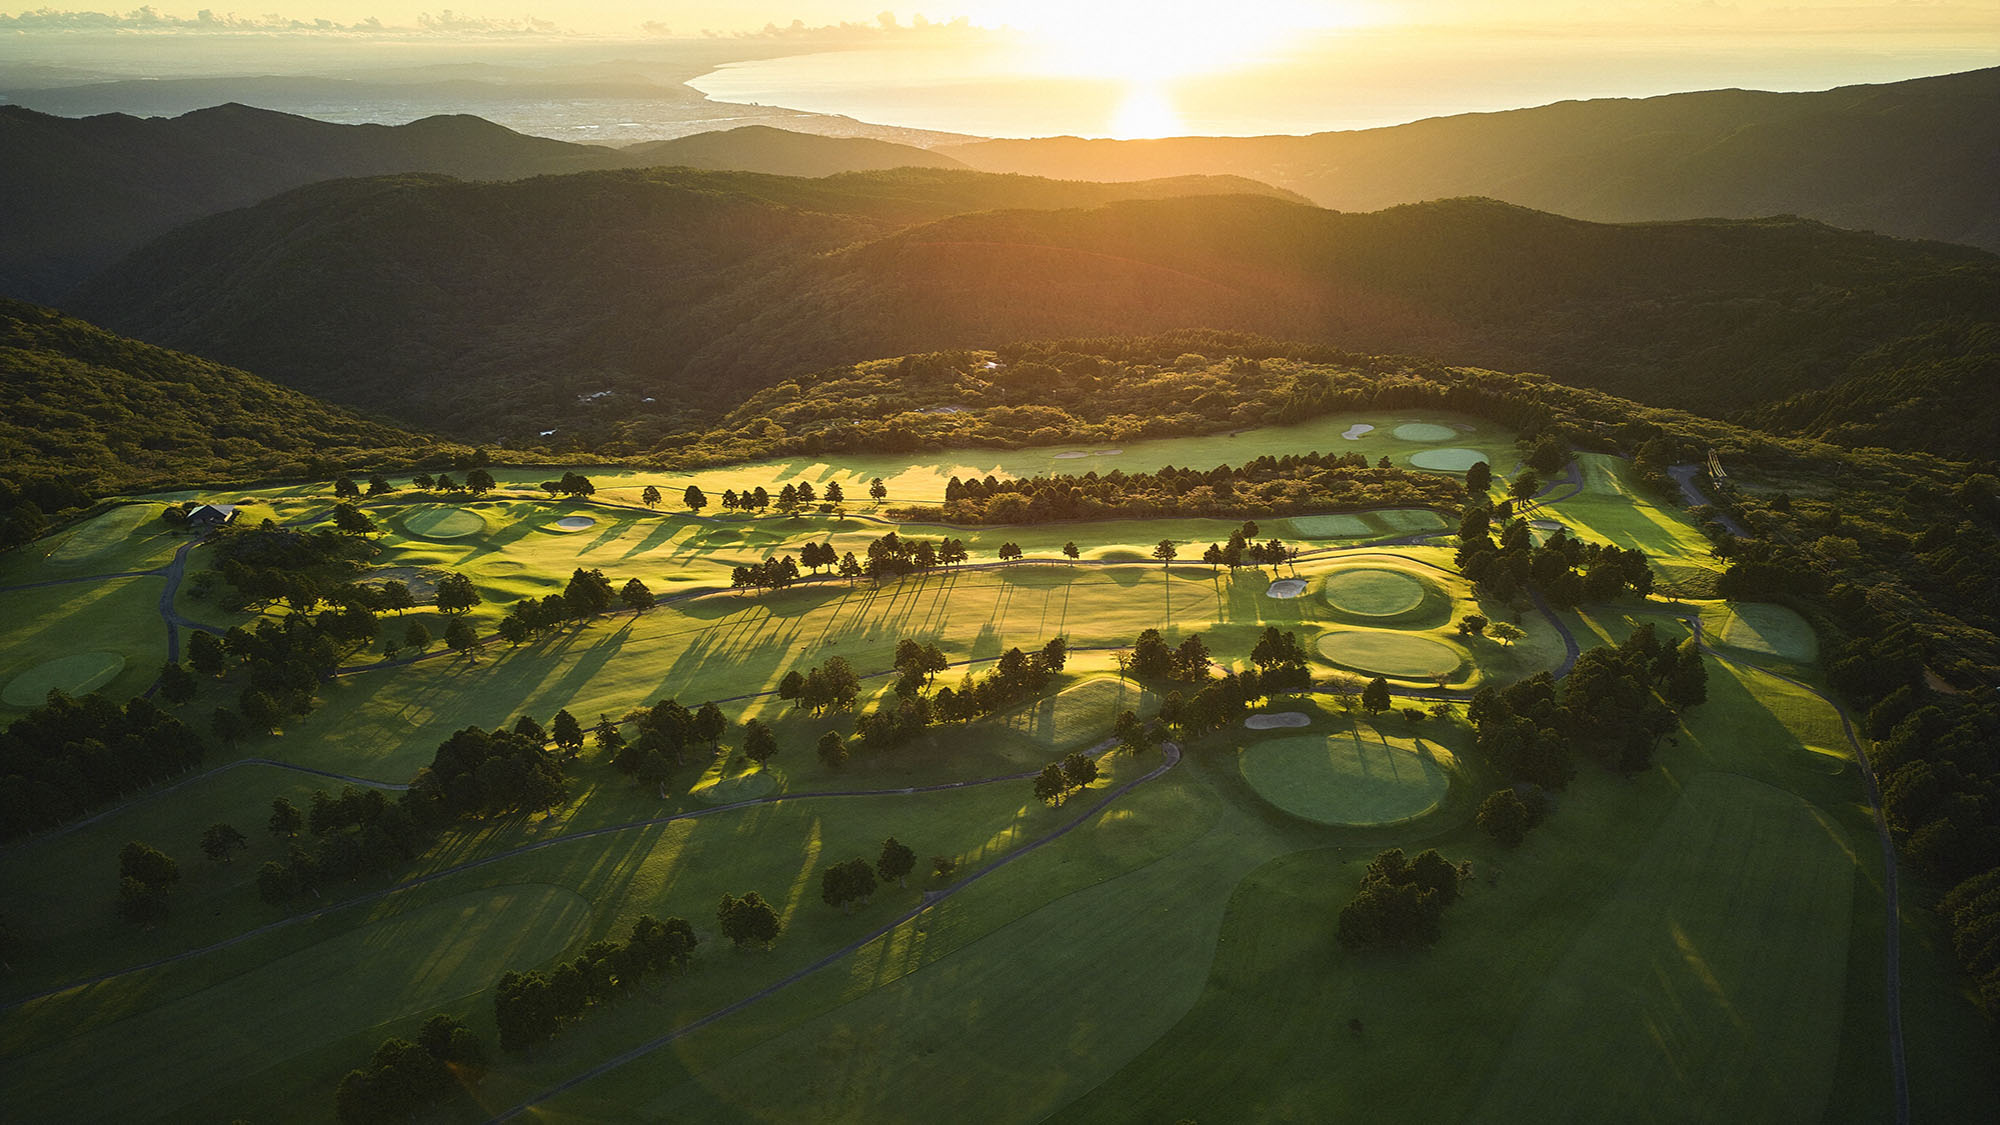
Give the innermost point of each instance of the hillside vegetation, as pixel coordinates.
(1919, 159)
(111, 414)
(567, 302)
(781, 152)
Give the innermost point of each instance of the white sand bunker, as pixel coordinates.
(1272, 720)
(1286, 588)
(575, 523)
(1545, 525)
(1355, 431)
(1109, 452)
(1072, 455)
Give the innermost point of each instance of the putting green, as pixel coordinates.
(1372, 591)
(1424, 431)
(76, 675)
(443, 523)
(1452, 459)
(1402, 655)
(1770, 629)
(1345, 779)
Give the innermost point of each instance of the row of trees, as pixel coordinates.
(1566, 570)
(1058, 781)
(71, 755)
(1016, 676)
(846, 883)
(531, 1007)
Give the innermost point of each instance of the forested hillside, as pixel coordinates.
(780, 152)
(1919, 159)
(567, 303)
(103, 413)
(79, 193)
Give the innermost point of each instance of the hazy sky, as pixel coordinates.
(1088, 17)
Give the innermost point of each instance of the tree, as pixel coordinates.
(455, 594)
(749, 919)
(1525, 485)
(1471, 625)
(832, 750)
(1375, 697)
(221, 839)
(1687, 681)
(286, 819)
(896, 862)
(345, 489)
(650, 497)
(1506, 818)
(350, 520)
(1506, 632)
(417, 636)
(378, 485)
(276, 882)
(461, 637)
(693, 499)
(588, 593)
(480, 482)
(844, 884)
(1165, 552)
(1078, 770)
(636, 596)
(1479, 478)
(1009, 551)
(1070, 550)
(145, 874)
(177, 684)
(567, 733)
(206, 654)
(759, 743)
(709, 724)
(877, 491)
(1050, 785)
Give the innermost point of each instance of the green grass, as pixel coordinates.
(119, 618)
(402, 964)
(1769, 630)
(1172, 958)
(441, 522)
(1372, 591)
(1344, 778)
(75, 674)
(1712, 971)
(118, 535)
(1423, 431)
(1402, 656)
(1453, 459)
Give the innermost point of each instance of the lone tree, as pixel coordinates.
(1375, 697)
(221, 839)
(1165, 552)
(1050, 785)
(1525, 485)
(832, 750)
(461, 637)
(1472, 625)
(650, 497)
(1504, 816)
(896, 862)
(844, 884)
(145, 875)
(1506, 632)
(759, 743)
(1070, 550)
(455, 593)
(636, 596)
(1479, 478)
(749, 919)
(877, 491)
(567, 732)
(1078, 771)
(417, 635)
(693, 498)
(709, 724)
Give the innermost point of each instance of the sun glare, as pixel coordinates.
(1145, 113)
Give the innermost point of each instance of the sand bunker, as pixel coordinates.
(1424, 431)
(1355, 431)
(575, 523)
(1451, 460)
(1269, 720)
(1109, 452)
(1072, 455)
(79, 674)
(1286, 588)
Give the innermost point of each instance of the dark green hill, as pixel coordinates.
(110, 414)
(1919, 159)
(780, 152)
(566, 303)
(79, 193)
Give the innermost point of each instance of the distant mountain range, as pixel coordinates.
(1918, 159)
(615, 303)
(80, 193)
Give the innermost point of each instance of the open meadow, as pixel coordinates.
(1701, 941)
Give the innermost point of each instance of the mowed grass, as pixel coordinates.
(1400, 656)
(128, 537)
(1761, 628)
(1079, 715)
(1372, 591)
(1348, 777)
(1378, 524)
(1711, 975)
(117, 618)
(403, 964)
(75, 674)
(1614, 508)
